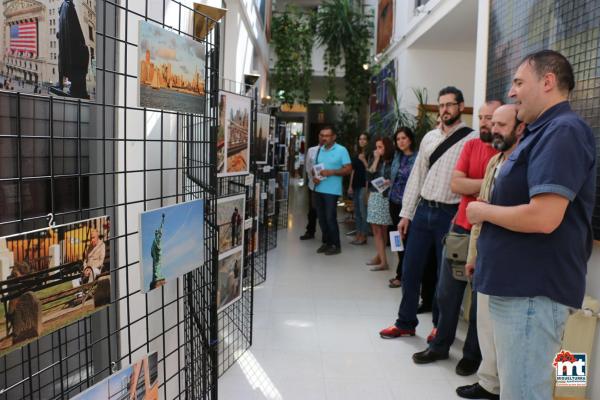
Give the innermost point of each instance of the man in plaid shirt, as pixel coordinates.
(429, 205)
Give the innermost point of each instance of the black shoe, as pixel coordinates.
(466, 367)
(307, 236)
(423, 308)
(428, 356)
(475, 391)
(333, 250)
(323, 248)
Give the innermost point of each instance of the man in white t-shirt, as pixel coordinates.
(309, 162)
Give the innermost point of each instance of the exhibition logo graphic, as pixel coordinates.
(571, 368)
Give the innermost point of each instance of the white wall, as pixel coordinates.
(431, 69)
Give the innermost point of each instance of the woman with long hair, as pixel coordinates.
(378, 214)
(404, 159)
(358, 185)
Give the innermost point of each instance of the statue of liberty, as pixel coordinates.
(158, 279)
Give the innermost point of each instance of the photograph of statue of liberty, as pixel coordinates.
(230, 221)
(171, 242)
(48, 47)
(52, 277)
(171, 70)
(134, 382)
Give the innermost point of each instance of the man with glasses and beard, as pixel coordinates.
(429, 205)
(506, 131)
(536, 234)
(466, 181)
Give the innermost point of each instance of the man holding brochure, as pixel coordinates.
(332, 162)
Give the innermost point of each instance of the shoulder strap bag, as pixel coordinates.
(448, 143)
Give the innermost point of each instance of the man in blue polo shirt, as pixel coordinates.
(335, 160)
(536, 236)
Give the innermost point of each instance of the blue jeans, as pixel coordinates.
(449, 294)
(360, 211)
(427, 229)
(326, 206)
(528, 332)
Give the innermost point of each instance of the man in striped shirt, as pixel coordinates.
(429, 205)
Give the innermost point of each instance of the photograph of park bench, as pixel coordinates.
(233, 137)
(262, 138)
(135, 382)
(52, 277)
(230, 220)
(271, 197)
(229, 285)
(171, 242)
(283, 180)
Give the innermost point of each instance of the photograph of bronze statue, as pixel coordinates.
(230, 221)
(52, 277)
(171, 242)
(229, 285)
(49, 47)
(134, 382)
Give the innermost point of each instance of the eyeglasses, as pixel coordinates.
(447, 105)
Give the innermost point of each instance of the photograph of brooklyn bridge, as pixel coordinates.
(171, 70)
(52, 277)
(233, 139)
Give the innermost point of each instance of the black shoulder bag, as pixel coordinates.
(448, 143)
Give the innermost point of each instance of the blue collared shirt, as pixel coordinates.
(557, 154)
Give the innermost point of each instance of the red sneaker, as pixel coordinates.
(393, 332)
(432, 335)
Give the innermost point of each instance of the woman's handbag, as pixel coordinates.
(457, 249)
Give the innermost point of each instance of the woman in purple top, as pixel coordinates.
(404, 159)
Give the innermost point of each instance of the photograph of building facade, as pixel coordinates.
(29, 46)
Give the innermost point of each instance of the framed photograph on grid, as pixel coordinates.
(52, 277)
(36, 61)
(262, 138)
(233, 138)
(171, 242)
(137, 381)
(283, 183)
(171, 70)
(271, 197)
(230, 222)
(229, 278)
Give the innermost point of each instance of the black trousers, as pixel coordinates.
(311, 227)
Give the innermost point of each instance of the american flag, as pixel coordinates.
(23, 39)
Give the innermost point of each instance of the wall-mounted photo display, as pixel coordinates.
(229, 285)
(262, 138)
(49, 47)
(283, 182)
(171, 242)
(171, 70)
(280, 154)
(271, 197)
(137, 381)
(230, 222)
(52, 277)
(233, 138)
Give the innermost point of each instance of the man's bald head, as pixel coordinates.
(506, 128)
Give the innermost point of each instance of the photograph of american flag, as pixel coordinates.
(23, 38)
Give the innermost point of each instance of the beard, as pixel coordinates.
(502, 143)
(486, 136)
(450, 121)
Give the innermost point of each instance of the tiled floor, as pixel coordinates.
(316, 324)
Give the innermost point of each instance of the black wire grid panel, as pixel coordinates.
(235, 321)
(519, 27)
(79, 160)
